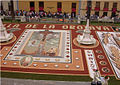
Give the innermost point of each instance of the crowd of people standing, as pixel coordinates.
(38, 14)
(42, 14)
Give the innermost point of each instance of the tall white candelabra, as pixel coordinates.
(4, 36)
(86, 38)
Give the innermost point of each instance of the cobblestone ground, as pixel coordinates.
(9, 81)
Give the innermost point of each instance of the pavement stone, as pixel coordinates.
(10, 81)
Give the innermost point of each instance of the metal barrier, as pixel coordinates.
(58, 20)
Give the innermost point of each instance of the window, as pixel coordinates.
(73, 14)
(97, 8)
(105, 14)
(114, 5)
(98, 4)
(32, 6)
(41, 6)
(74, 5)
(114, 9)
(59, 5)
(97, 13)
(106, 4)
(113, 14)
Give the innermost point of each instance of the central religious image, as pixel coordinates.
(43, 46)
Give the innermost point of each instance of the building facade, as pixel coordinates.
(98, 7)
